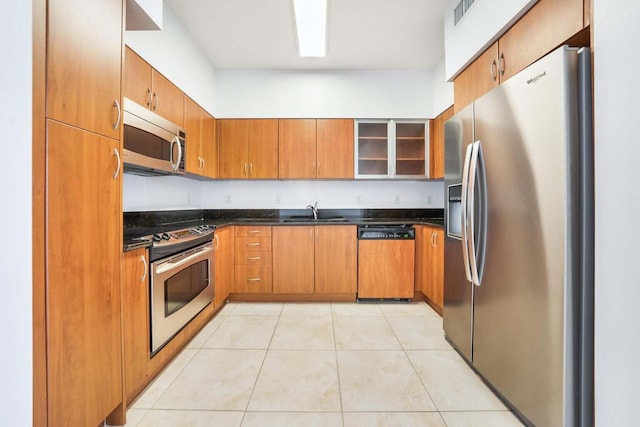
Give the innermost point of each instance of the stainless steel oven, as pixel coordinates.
(181, 273)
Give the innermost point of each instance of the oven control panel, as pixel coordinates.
(179, 236)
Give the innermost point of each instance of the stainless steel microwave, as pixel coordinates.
(153, 145)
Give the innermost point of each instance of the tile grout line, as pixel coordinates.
(266, 352)
(335, 353)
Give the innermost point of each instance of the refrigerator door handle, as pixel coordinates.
(478, 205)
(464, 208)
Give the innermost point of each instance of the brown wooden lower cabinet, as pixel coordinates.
(386, 268)
(253, 273)
(293, 249)
(136, 320)
(223, 264)
(336, 259)
(430, 264)
(319, 260)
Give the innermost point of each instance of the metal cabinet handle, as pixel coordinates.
(117, 154)
(434, 237)
(493, 70)
(155, 103)
(245, 168)
(251, 169)
(144, 264)
(216, 242)
(117, 105)
(501, 64)
(253, 231)
(253, 244)
(149, 97)
(254, 258)
(253, 279)
(318, 169)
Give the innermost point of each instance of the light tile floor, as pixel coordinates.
(319, 364)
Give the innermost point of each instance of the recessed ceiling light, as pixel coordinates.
(311, 24)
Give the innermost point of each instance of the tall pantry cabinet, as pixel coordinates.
(82, 212)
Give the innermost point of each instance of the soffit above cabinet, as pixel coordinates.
(144, 15)
(483, 22)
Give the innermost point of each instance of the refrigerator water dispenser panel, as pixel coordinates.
(454, 211)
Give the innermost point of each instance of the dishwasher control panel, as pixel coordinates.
(386, 232)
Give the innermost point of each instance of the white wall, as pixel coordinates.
(244, 93)
(617, 313)
(169, 193)
(15, 254)
(441, 89)
(326, 93)
(173, 52)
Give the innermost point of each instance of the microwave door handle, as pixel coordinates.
(464, 217)
(174, 165)
(177, 140)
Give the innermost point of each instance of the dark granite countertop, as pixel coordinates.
(140, 226)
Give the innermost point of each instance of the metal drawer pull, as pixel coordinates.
(144, 263)
(253, 244)
(254, 258)
(255, 279)
(117, 105)
(148, 97)
(494, 70)
(501, 63)
(117, 154)
(253, 231)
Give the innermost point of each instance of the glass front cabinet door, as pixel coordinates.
(391, 149)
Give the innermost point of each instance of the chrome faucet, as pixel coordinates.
(314, 209)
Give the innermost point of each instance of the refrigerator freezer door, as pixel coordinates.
(458, 292)
(522, 332)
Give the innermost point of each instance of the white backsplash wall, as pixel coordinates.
(169, 193)
(328, 194)
(158, 193)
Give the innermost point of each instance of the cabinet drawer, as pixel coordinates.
(253, 279)
(253, 258)
(253, 244)
(253, 231)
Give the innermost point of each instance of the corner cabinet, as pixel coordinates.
(391, 149)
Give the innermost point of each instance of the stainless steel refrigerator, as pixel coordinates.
(518, 295)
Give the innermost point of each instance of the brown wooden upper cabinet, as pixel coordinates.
(202, 154)
(436, 145)
(146, 86)
(548, 24)
(248, 148)
(316, 148)
(84, 53)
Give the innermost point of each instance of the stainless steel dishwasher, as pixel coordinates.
(386, 262)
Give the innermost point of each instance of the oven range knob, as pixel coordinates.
(165, 236)
(157, 237)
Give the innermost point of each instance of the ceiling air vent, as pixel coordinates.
(460, 10)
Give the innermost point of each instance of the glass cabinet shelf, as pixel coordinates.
(391, 148)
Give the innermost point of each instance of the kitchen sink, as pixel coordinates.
(312, 220)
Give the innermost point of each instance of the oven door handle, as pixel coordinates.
(186, 258)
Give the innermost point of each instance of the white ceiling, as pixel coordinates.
(361, 34)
